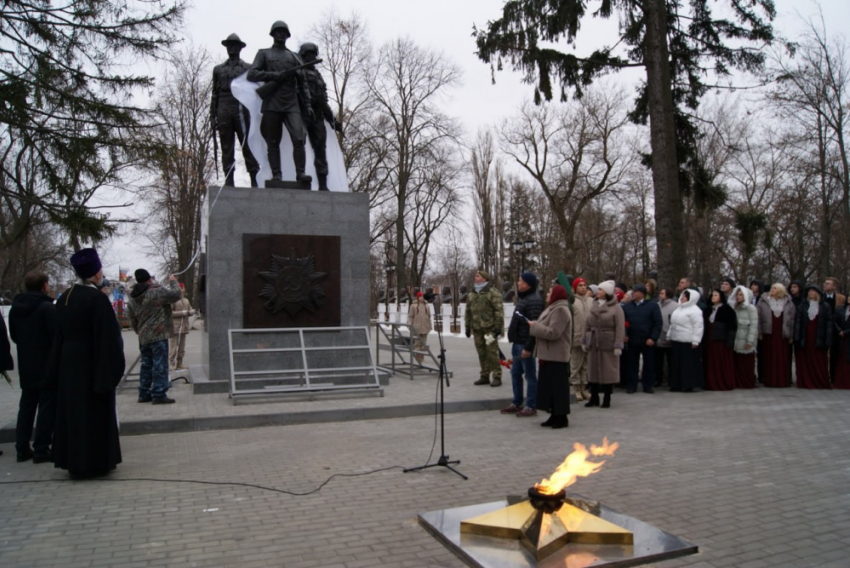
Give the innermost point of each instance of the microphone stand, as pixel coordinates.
(443, 461)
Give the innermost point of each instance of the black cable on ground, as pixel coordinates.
(236, 483)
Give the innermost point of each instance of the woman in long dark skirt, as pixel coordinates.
(685, 335)
(813, 329)
(776, 326)
(721, 325)
(554, 333)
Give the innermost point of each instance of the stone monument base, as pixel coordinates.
(242, 215)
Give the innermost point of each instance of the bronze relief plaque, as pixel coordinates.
(290, 281)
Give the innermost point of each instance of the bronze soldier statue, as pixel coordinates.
(309, 52)
(286, 103)
(229, 117)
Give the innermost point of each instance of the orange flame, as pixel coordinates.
(576, 465)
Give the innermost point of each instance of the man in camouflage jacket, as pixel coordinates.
(149, 311)
(485, 321)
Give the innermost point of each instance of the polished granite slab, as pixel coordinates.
(650, 543)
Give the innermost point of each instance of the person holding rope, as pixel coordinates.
(180, 312)
(149, 310)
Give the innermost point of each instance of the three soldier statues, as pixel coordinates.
(293, 95)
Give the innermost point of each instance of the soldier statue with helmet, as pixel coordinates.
(285, 104)
(309, 52)
(228, 116)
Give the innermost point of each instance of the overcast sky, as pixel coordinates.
(444, 25)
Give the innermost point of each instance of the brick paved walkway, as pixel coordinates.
(755, 478)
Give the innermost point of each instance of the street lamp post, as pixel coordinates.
(390, 271)
(521, 248)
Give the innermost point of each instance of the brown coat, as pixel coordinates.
(581, 309)
(605, 331)
(554, 333)
(419, 318)
(180, 312)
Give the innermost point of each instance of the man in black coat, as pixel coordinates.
(643, 327)
(32, 325)
(6, 362)
(88, 362)
(528, 308)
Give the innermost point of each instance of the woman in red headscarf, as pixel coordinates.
(554, 333)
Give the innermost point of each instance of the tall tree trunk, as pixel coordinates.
(672, 260)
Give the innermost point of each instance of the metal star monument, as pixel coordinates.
(292, 284)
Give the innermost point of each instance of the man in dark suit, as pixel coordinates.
(836, 301)
(32, 325)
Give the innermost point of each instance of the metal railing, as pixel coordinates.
(400, 342)
(302, 379)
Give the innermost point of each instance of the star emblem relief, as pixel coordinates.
(292, 284)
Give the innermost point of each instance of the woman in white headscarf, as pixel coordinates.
(813, 329)
(746, 337)
(776, 312)
(685, 335)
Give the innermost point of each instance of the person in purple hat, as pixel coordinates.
(88, 363)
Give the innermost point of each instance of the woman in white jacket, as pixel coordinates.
(685, 335)
(746, 337)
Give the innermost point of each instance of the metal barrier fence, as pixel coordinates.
(301, 361)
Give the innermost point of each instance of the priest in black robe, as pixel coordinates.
(87, 363)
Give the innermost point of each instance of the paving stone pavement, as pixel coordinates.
(403, 397)
(755, 478)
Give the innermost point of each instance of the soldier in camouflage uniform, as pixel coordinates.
(485, 319)
(321, 112)
(229, 117)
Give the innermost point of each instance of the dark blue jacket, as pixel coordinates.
(644, 321)
(32, 326)
(530, 305)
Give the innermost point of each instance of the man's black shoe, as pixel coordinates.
(649, 390)
(42, 458)
(631, 391)
(163, 400)
(24, 456)
(144, 399)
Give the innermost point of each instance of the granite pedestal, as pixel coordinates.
(238, 211)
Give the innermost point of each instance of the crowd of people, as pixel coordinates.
(596, 337)
(71, 359)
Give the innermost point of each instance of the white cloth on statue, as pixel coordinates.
(246, 93)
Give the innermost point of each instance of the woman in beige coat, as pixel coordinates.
(604, 334)
(419, 318)
(554, 333)
(180, 312)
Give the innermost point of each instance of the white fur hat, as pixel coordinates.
(607, 287)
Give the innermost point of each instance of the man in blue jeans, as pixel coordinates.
(529, 306)
(149, 310)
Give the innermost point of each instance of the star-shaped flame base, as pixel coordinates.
(544, 533)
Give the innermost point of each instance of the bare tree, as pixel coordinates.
(181, 158)
(485, 198)
(575, 152)
(407, 84)
(433, 202)
(813, 93)
(347, 56)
